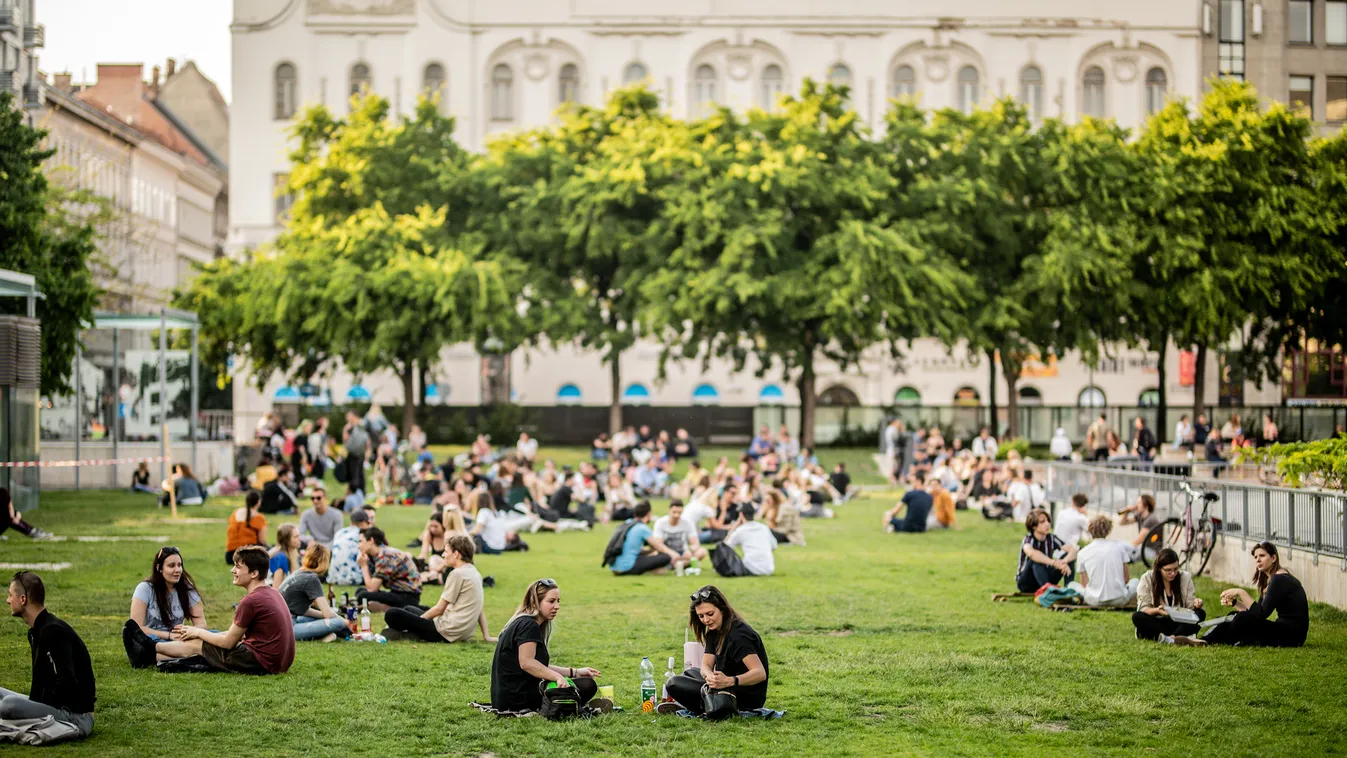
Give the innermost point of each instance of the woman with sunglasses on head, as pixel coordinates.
(1251, 624)
(522, 664)
(735, 659)
(166, 598)
(1165, 585)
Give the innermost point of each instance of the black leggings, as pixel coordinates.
(18, 524)
(1151, 627)
(646, 562)
(1036, 575)
(686, 690)
(409, 620)
(390, 599)
(1249, 630)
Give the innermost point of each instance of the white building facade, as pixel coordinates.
(508, 64)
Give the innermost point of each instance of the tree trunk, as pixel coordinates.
(1162, 405)
(408, 375)
(991, 393)
(1200, 383)
(808, 397)
(1010, 369)
(615, 403)
(422, 374)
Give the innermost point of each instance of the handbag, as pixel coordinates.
(560, 702)
(718, 705)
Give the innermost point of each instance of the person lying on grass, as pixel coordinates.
(260, 641)
(63, 677)
(158, 603)
(1044, 559)
(1165, 585)
(1251, 625)
(522, 664)
(735, 659)
(311, 615)
(460, 608)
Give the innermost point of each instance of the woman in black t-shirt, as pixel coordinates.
(1251, 624)
(735, 659)
(522, 666)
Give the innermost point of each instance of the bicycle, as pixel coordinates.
(1191, 537)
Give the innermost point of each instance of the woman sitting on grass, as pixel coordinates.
(521, 666)
(313, 617)
(1044, 559)
(285, 555)
(735, 659)
(246, 527)
(430, 561)
(1165, 585)
(1251, 625)
(158, 603)
(186, 489)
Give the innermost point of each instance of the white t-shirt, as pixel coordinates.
(1022, 497)
(696, 512)
(528, 449)
(987, 447)
(678, 538)
(493, 528)
(1072, 526)
(1103, 562)
(758, 544)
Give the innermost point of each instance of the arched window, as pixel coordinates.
(967, 397)
(502, 93)
(635, 72)
(1031, 91)
(904, 81)
(771, 395)
(636, 394)
(569, 81)
(287, 91)
(1150, 398)
(838, 395)
(1092, 92)
(1157, 89)
(839, 75)
(569, 394)
(362, 79)
(1091, 397)
(703, 89)
(705, 394)
(773, 84)
(1030, 396)
(908, 397)
(432, 82)
(968, 93)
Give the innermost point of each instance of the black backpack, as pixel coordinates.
(559, 703)
(615, 543)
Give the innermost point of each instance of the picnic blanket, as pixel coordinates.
(585, 711)
(766, 714)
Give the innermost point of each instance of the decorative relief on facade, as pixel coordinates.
(536, 66)
(740, 66)
(937, 67)
(1125, 68)
(362, 7)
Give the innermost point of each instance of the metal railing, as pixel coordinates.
(1305, 520)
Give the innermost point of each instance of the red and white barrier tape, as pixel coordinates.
(73, 464)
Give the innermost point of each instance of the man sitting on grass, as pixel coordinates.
(680, 535)
(757, 541)
(321, 522)
(390, 576)
(260, 641)
(63, 678)
(918, 503)
(459, 611)
(642, 551)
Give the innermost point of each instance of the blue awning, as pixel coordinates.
(771, 395)
(432, 391)
(569, 394)
(358, 392)
(288, 394)
(636, 394)
(705, 394)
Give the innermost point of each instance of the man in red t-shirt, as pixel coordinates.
(260, 641)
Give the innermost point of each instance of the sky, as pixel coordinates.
(83, 33)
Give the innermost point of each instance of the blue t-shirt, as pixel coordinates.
(919, 504)
(279, 561)
(631, 546)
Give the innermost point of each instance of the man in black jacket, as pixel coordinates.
(63, 679)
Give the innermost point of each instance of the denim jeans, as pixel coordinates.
(310, 628)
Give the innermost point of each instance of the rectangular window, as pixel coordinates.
(1301, 95)
(1230, 50)
(1335, 22)
(1336, 109)
(283, 200)
(1300, 22)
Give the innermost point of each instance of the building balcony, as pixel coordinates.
(9, 17)
(9, 81)
(34, 36)
(32, 95)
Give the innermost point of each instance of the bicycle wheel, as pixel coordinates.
(1163, 536)
(1204, 541)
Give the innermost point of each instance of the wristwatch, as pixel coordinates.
(736, 681)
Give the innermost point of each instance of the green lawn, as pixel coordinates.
(879, 644)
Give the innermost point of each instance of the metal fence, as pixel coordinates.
(1293, 519)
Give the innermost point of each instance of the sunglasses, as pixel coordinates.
(701, 596)
(549, 583)
(165, 552)
(316, 498)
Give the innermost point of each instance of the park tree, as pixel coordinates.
(786, 247)
(1031, 213)
(45, 232)
(1247, 231)
(573, 205)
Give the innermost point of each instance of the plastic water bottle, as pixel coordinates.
(364, 616)
(647, 682)
(668, 674)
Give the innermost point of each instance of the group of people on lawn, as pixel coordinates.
(1099, 572)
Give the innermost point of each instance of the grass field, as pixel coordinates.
(880, 644)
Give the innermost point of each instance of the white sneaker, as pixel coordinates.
(41, 534)
(537, 524)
